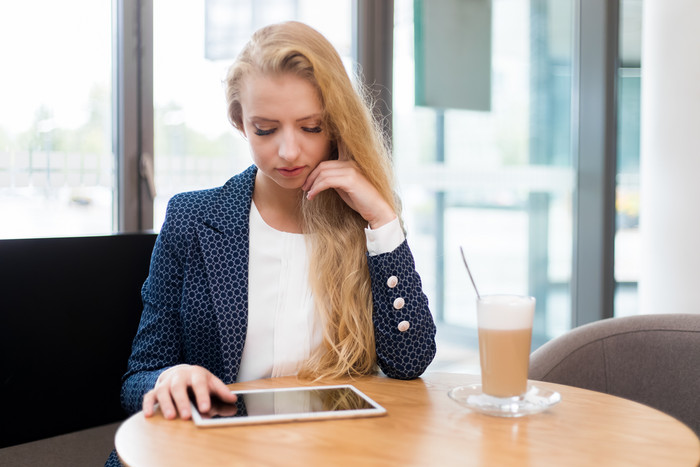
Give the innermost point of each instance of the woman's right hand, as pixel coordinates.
(171, 391)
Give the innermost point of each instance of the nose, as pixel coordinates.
(289, 148)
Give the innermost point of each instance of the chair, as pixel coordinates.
(69, 310)
(651, 359)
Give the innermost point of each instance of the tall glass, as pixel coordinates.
(505, 332)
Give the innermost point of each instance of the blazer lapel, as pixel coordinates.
(224, 239)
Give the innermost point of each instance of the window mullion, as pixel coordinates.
(595, 124)
(133, 108)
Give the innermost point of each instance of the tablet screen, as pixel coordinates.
(289, 404)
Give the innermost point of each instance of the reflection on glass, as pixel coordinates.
(195, 41)
(56, 163)
(498, 182)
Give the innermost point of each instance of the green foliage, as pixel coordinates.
(92, 137)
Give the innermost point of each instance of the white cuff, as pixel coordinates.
(385, 239)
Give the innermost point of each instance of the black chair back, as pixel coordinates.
(69, 309)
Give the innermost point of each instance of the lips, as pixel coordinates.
(290, 171)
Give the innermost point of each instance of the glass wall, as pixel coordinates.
(56, 161)
(627, 243)
(194, 43)
(495, 175)
(490, 170)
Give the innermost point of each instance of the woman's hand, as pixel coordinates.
(171, 391)
(343, 176)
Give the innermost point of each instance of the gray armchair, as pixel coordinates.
(651, 359)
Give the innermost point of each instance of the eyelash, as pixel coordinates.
(259, 132)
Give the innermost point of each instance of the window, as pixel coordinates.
(627, 242)
(495, 175)
(56, 160)
(493, 171)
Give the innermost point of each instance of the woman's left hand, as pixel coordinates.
(345, 178)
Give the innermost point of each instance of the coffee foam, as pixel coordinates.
(505, 312)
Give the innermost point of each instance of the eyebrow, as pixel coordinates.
(310, 117)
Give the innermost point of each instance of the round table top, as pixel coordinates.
(424, 427)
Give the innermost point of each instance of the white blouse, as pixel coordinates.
(282, 328)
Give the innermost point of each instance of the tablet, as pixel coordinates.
(288, 405)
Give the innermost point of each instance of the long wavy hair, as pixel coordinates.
(338, 272)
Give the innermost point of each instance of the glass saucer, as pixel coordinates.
(536, 399)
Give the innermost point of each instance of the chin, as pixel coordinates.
(290, 184)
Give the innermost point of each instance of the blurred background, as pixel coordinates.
(487, 136)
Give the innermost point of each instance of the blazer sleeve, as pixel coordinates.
(157, 345)
(403, 325)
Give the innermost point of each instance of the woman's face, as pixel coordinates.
(282, 121)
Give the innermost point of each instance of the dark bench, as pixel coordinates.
(69, 309)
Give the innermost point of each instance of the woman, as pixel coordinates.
(299, 264)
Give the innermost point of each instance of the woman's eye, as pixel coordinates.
(261, 132)
(316, 129)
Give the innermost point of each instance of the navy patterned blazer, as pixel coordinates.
(196, 295)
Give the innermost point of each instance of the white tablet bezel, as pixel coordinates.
(376, 410)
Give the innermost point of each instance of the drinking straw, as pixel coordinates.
(464, 258)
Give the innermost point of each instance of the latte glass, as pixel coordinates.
(505, 333)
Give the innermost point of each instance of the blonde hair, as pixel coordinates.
(339, 275)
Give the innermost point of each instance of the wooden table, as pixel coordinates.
(425, 427)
